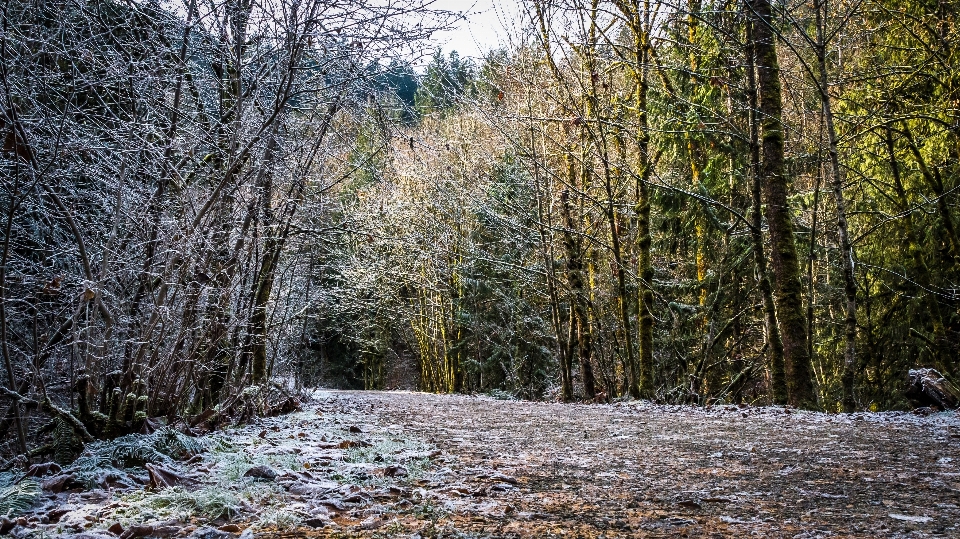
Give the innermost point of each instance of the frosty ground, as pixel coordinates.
(399, 464)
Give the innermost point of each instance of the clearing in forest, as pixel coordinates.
(397, 464)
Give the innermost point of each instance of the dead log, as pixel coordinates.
(927, 387)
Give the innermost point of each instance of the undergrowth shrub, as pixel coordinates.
(279, 519)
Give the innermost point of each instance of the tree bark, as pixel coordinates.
(778, 381)
(696, 155)
(644, 239)
(578, 301)
(848, 377)
(637, 17)
(785, 262)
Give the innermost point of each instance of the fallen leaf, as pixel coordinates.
(395, 471)
(137, 531)
(38, 470)
(57, 483)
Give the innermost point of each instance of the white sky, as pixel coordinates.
(488, 24)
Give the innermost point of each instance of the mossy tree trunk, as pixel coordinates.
(778, 381)
(637, 17)
(784, 258)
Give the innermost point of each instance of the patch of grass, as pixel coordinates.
(231, 461)
(230, 454)
(386, 452)
(394, 529)
(261, 494)
(284, 461)
(278, 519)
(430, 511)
(208, 502)
(417, 468)
(221, 500)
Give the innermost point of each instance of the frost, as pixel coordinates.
(909, 518)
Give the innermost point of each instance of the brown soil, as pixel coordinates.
(396, 464)
(526, 469)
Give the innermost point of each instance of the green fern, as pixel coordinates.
(17, 498)
(108, 458)
(66, 445)
(175, 444)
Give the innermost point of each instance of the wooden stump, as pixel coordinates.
(927, 387)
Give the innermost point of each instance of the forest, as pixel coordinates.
(209, 206)
(645, 268)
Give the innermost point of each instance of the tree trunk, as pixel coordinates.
(579, 321)
(778, 381)
(848, 377)
(786, 266)
(697, 158)
(263, 284)
(4, 343)
(644, 240)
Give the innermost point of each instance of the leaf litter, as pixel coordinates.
(399, 464)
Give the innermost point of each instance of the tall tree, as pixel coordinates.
(778, 382)
(786, 266)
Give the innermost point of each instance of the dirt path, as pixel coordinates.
(659, 471)
(393, 464)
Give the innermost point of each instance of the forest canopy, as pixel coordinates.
(205, 206)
